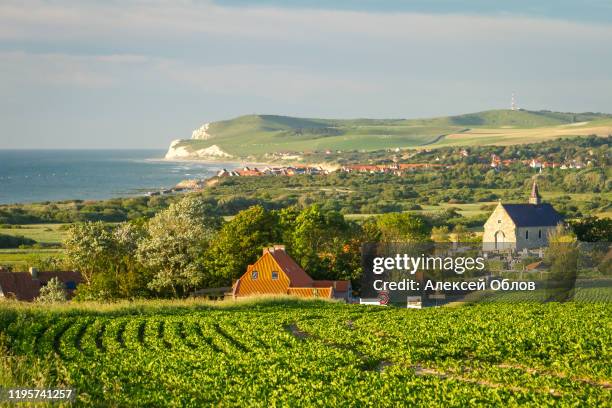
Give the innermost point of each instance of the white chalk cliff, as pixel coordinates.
(176, 151)
(201, 133)
(181, 149)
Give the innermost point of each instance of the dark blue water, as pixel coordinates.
(53, 175)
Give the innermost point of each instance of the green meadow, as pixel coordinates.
(256, 135)
(48, 237)
(49, 234)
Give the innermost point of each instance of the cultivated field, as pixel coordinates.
(509, 136)
(297, 353)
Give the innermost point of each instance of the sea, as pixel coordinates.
(28, 176)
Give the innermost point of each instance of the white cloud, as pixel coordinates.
(67, 21)
(107, 71)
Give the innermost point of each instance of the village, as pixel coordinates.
(515, 237)
(396, 166)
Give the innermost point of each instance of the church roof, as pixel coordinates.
(531, 215)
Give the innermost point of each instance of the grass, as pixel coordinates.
(156, 306)
(50, 236)
(41, 233)
(22, 259)
(260, 134)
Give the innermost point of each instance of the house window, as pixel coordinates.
(539, 234)
(526, 234)
(71, 285)
(499, 221)
(254, 275)
(274, 275)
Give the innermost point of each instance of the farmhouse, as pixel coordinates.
(26, 286)
(520, 226)
(275, 272)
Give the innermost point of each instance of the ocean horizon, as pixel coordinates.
(39, 175)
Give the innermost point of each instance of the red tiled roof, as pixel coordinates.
(293, 280)
(22, 286)
(297, 276)
(339, 286)
(533, 266)
(18, 285)
(418, 165)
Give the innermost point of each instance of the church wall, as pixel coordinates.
(493, 225)
(534, 240)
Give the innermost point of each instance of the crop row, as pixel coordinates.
(330, 355)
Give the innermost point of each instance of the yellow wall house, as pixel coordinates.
(520, 226)
(276, 273)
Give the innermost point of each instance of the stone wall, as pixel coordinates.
(538, 237)
(499, 221)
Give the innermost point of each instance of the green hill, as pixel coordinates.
(255, 135)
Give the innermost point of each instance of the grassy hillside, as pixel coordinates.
(259, 134)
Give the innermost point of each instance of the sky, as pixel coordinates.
(138, 74)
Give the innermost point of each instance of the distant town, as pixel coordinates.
(391, 165)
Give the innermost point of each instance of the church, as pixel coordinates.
(520, 226)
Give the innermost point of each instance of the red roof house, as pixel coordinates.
(26, 286)
(275, 272)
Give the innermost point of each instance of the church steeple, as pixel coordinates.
(535, 195)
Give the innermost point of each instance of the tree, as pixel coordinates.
(53, 292)
(440, 234)
(87, 248)
(130, 277)
(593, 229)
(403, 227)
(315, 239)
(562, 256)
(176, 239)
(239, 243)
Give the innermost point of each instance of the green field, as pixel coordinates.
(296, 353)
(255, 135)
(49, 234)
(22, 259)
(48, 237)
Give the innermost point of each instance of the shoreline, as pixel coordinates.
(210, 161)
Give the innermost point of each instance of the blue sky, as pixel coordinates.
(129, 74)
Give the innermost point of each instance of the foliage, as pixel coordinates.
(403, 227)
(294, 353)
(10, 241)
(53, 292)
(88, 248)
(440, 234)
(593, 229)
(238, 244)
(316, 238)
(175, 240)
(562, 255)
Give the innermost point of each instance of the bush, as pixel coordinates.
(53, 292)
(10, 241)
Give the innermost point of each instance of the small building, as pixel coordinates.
(520, 226)
(495, 161)
(535, 164)
(25, 286)
(276, 273)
